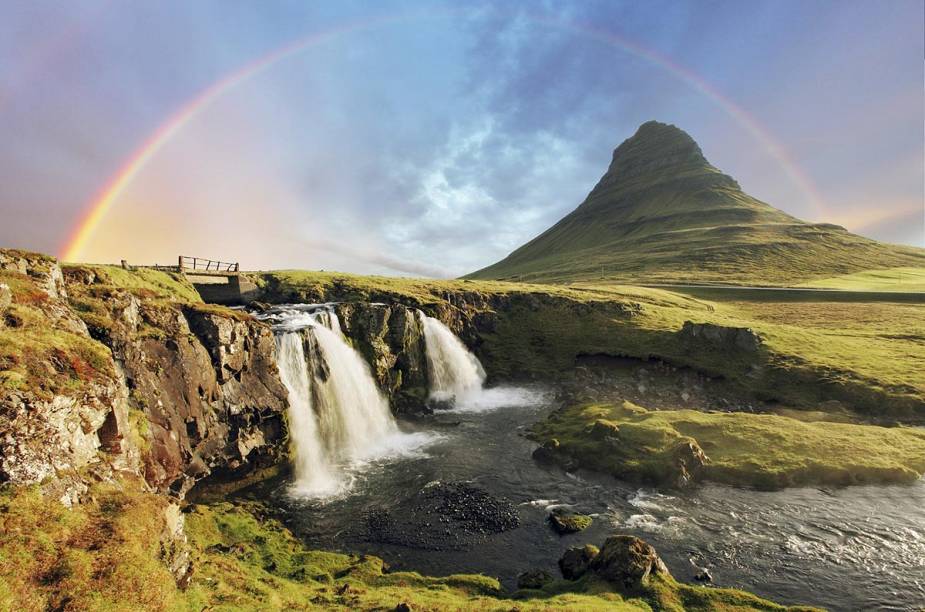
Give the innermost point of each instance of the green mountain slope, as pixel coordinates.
(662, 213)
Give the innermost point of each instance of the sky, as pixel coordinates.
(433, 138)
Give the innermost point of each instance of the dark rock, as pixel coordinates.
(720, 337)
(565, 522)
(576, 560)
(391, 339)
(404, 607)
(689, 459)
(703, 576)
(627, 562)
(534, 579)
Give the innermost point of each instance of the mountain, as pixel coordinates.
(663, 213)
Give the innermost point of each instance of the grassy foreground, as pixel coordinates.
(764, 451)
(105, 555)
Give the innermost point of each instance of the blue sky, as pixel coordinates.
(434, 138)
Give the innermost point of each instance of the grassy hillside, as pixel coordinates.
(662, 213)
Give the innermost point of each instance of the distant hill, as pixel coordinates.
(663, 213)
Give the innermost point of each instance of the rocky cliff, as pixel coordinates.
(391, 339)
(202, 379)
(106, 373)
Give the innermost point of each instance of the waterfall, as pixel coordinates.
(453, 371)
(313, 470)
(353, 415)
(338, 418)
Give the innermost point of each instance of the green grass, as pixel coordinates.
(142, 282)
(663, 214)
(42, 348)
(765, 451)
(103, 555)
(890, 279)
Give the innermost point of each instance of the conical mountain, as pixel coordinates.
(663, 213)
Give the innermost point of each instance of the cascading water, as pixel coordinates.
(453, 371)
(353, 415)
(456, 375)
(313, 471)
(338, 417)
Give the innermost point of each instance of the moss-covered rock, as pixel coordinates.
(565, 522)
(576, 560)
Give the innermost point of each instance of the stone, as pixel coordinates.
(689, 459)
(627, 562)
(565, 522)
(534, 579)
(720, 337)
(576, 560)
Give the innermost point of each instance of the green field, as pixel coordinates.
(890, 279)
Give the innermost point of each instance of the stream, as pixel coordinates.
(857, 548)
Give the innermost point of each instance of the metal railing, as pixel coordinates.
(209, 265)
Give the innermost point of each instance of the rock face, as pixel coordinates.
(627, 562)
(391, 339)
(63, 408)
(719, 337)
(207, 384)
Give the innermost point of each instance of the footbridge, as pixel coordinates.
(218, 282)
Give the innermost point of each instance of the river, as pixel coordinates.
(857, 548)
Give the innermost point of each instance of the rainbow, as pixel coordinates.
(104, 200)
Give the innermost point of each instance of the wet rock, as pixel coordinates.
(550, 453)
(565, 522)
(576, 561)
(703, 576)
(689, 459)
(534, 579)
(391, 339)
(627, 562)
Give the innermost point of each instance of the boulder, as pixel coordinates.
(689, 459)
(627, 562)
(565, 522)
(576, 561)
(721, 337)
(534, 579)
